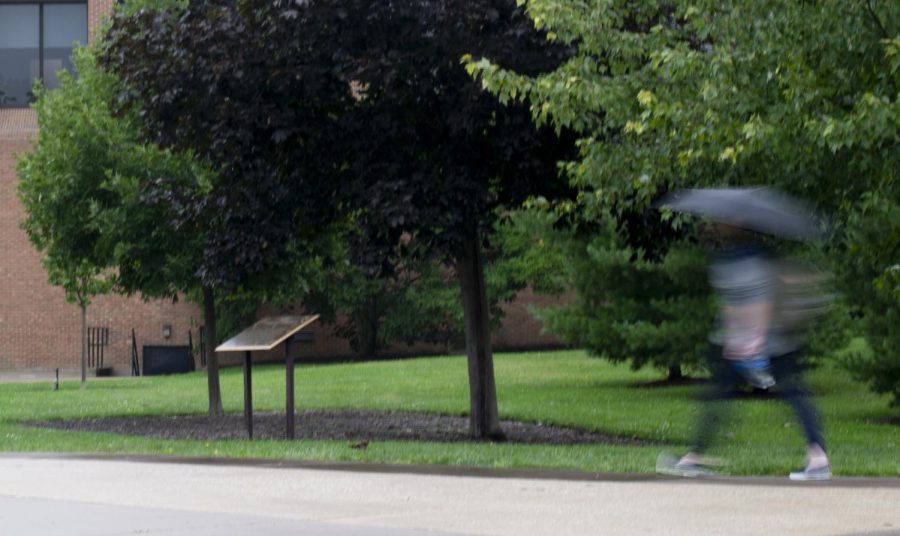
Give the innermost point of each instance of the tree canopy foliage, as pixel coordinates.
(435, 155)
(711, 93)
(247, 90)
(81, 186)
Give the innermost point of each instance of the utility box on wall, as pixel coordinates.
(167, 360)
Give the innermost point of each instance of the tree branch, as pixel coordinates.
(881, 28)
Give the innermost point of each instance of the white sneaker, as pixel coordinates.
(668, 464)
(810, 474)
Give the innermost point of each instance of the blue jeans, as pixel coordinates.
(726, 381)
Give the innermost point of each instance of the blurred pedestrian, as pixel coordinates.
(765, 306)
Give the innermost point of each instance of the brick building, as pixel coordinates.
(39, 330)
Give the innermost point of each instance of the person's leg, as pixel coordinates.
(794, 390)
(714, 409)
(713, 399)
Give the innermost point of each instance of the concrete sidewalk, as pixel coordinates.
(56, 495)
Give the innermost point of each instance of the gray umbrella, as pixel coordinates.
(758, 209)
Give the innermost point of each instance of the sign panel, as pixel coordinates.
(266, 333)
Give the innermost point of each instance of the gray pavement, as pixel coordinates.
(48, 517)
(62, 495)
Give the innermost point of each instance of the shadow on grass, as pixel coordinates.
(678, 382)
(879, 419)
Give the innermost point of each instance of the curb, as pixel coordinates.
(466, 472)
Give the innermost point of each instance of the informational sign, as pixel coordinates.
(265, 335)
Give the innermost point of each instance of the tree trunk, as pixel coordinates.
(83, 345)
(675, 373)
(212, 362)
(484, 422)
(367, 329)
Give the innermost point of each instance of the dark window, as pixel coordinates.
(36, 41)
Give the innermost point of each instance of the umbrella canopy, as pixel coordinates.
(758, 209)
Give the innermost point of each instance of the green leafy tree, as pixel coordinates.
(630, 304)
(629, 308)
(872, 279)
(82, 186)
(800, 95)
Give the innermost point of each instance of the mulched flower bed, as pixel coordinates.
(334, 425)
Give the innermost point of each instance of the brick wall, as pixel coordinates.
(98, 10)
(520, 330)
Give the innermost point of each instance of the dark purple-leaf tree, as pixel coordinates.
(436, 158)
(320, 111)
(246, 90)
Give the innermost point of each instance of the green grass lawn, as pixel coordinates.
(567, 388)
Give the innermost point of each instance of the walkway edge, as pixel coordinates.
(460, 471)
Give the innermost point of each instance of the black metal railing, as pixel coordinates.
(135, 362)
(98, 340)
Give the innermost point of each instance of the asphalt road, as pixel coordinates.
(62, 495)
